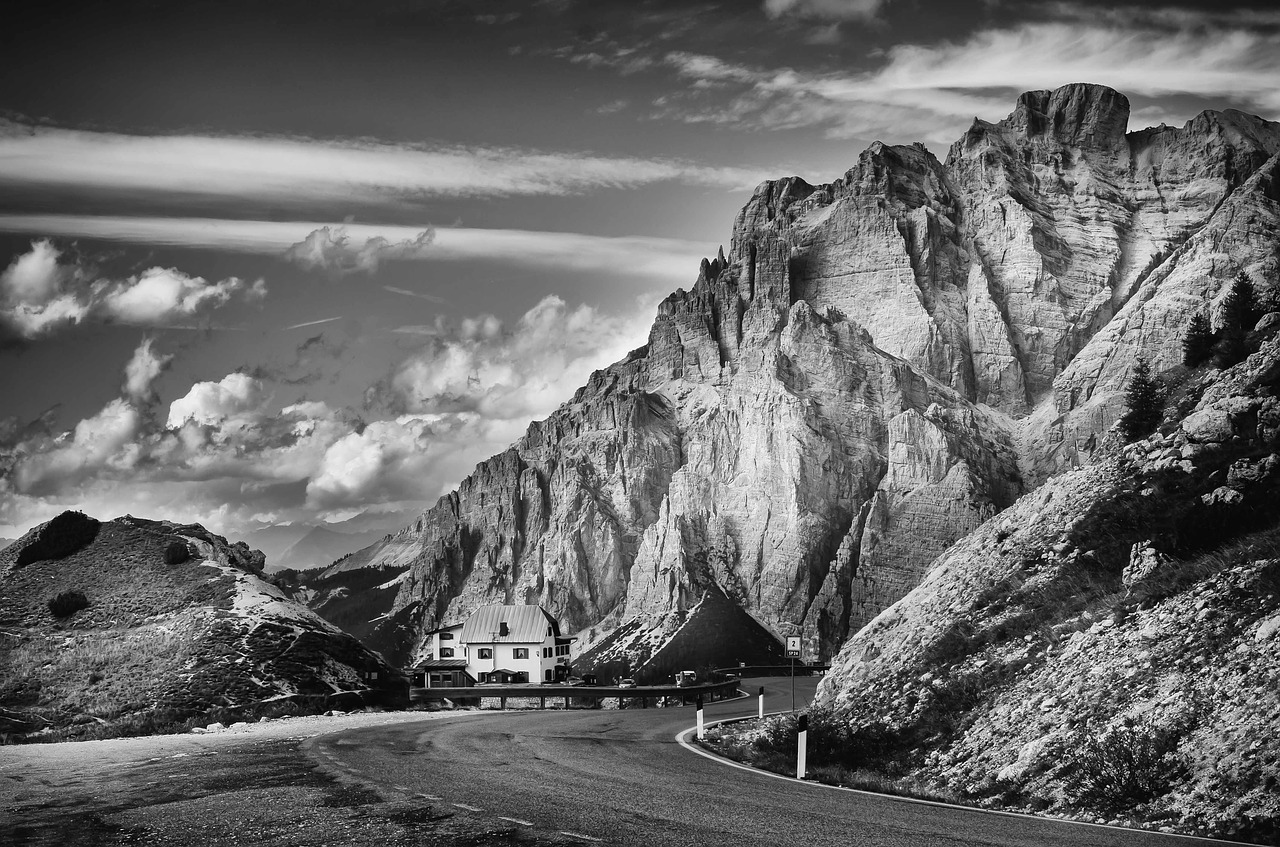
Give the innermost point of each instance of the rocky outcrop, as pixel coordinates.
(1134, 602)
(156, 641)
(876, 367)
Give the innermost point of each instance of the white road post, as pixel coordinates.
(761, 702)
(801, 743)
(701, 732)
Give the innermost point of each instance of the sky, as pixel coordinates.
(282, 262)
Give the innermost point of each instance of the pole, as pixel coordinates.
(701, 731)
(801, 743)
(761, 702)
(793, 683)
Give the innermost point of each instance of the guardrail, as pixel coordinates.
(588, 694)
(774, 670)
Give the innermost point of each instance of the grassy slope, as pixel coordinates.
(158, 644)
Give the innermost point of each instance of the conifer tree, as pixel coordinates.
(1143, 403)
(1239, 314)
(1197, 344)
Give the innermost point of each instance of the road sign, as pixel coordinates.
(793, 645)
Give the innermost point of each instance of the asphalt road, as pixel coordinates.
(620, 778)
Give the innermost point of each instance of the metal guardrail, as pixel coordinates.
(594, 693)
(774, 670)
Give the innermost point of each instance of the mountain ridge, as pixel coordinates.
(877, 366)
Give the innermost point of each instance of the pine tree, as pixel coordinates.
(1239, 314)
(1143, 402)
(1197, 344)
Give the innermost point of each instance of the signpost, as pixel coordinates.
(701, 733)
(793, 650)
(802, 742)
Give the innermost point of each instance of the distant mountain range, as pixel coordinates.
(308, 546)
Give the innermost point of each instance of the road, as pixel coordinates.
(620, 778)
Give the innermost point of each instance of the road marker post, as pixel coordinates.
(802, 741)
(761, 715)
(701, 732)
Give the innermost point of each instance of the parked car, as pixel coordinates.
(627, 683)
(685, 678)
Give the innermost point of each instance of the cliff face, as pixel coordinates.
(876, 367)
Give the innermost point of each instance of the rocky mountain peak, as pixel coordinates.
(878, 365)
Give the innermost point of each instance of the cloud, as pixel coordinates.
(102, 441)
(665, 259)
(278, 171)
(40, 294)
(331, 249)
(512, 373)
(236, 396)
(142, 370)
(932, 91)
(839, 10)
(34, 278)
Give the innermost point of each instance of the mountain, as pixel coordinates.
(5, 542)
(321, 546)
(134, 626)
(1110, 643)
(877, 367)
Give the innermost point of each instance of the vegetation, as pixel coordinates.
(1239, 315)
(67, 603)
(1128, 764)
(1197, 345)
(1144, 403)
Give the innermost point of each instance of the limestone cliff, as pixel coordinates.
(877, 366)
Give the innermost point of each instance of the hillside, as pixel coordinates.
(877, 366)
(1111, 643)
(133, 626)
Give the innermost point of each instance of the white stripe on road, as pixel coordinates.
(468, 808)
(428, 796)
(516, 820)
(580, 835)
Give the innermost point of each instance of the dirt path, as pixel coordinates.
(249, 785)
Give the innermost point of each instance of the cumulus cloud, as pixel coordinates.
(331, 249)
(224, 451)
(141, 371)
(39, 293)
(236, 396)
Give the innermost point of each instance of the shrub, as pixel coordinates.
(68, 603)
(68, 533)
(1239, 315)
(1128, 764)
(1197, 344)
(1144, 403)
(176, 553)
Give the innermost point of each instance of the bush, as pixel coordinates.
(68, 533)
(68, 603)
(1128, 764)
(176, 553)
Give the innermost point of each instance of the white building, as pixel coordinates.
(507, 644)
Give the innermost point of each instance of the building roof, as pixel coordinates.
(448, 628)
(525, 625)
(437, 664)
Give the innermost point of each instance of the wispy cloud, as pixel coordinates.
(839, 10)
(418, 294)
(292, 170)
(668, 259)
(931, 91)
(314, 323)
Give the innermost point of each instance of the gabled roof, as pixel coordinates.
(525, 625)
(432, 664)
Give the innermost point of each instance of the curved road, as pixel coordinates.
(620, 777)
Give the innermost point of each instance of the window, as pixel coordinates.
(546, 652)
(520, 653)
(446, 636)
(485, 653)
(446, 652)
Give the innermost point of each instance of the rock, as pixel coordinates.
(1267, 628)
(1144, 560)
(216, 726)
(874, 368)
(1223, 496)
